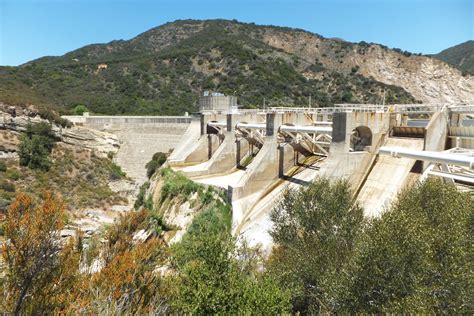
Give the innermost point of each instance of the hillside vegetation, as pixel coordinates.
(40, 162)
(461, 56)
(163, 70)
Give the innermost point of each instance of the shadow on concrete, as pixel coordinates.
(311, 167)
(294, 180)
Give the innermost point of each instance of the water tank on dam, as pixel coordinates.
(217, 102)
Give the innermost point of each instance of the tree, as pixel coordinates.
(315, 230)
(120, 276)
(40, 268)
(417, 257)
(80, 109)
(36, 145)
(214, 276)
(129, 283)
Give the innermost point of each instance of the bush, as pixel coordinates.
(416, 258)
(177, 184)
(156, 162)
(213, 276)
(315, 230)
(36, 145)
(7, 186)
(41, 271)
(49, 115)
(80, 109)
(13, 174)
(4, 203)
(3, 166)
(116, 172)
(141, 195)
(151, 167)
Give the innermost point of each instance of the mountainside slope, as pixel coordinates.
(461, 56)
(163, 70)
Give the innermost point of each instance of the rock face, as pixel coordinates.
(101, 142)
(13, 121)
(429, 80)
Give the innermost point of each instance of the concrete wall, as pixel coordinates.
(436, 133)
(102, 121)
(139, 136)
(354, 166)
(188, 142)
(388, 176)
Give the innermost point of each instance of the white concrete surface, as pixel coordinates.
(387, 177)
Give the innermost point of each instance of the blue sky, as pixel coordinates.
(31, 29)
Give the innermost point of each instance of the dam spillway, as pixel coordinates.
(258, 154)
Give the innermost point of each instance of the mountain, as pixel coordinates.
(461, 56)
(163, 70)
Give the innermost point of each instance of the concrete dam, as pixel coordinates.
(140, 137)
(257, 154)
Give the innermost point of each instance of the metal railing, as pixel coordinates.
(370, 108)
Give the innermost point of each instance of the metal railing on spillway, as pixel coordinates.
(286, 128)
(368, 108)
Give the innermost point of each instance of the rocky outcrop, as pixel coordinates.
(427, 79)
(14, 120)
(101, 142)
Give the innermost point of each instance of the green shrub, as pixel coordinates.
(3, 166)
(416, 258)
(207, 196)
(177, 184)
(315, 228)
(4, 203)
(214, 276)
(36, 145)
(13, 174)
(115, 172)
(141, 195)
(151, 167)
(49, 115)
(80, 109)
(156, 162)
(158, 223)
(7, 186)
